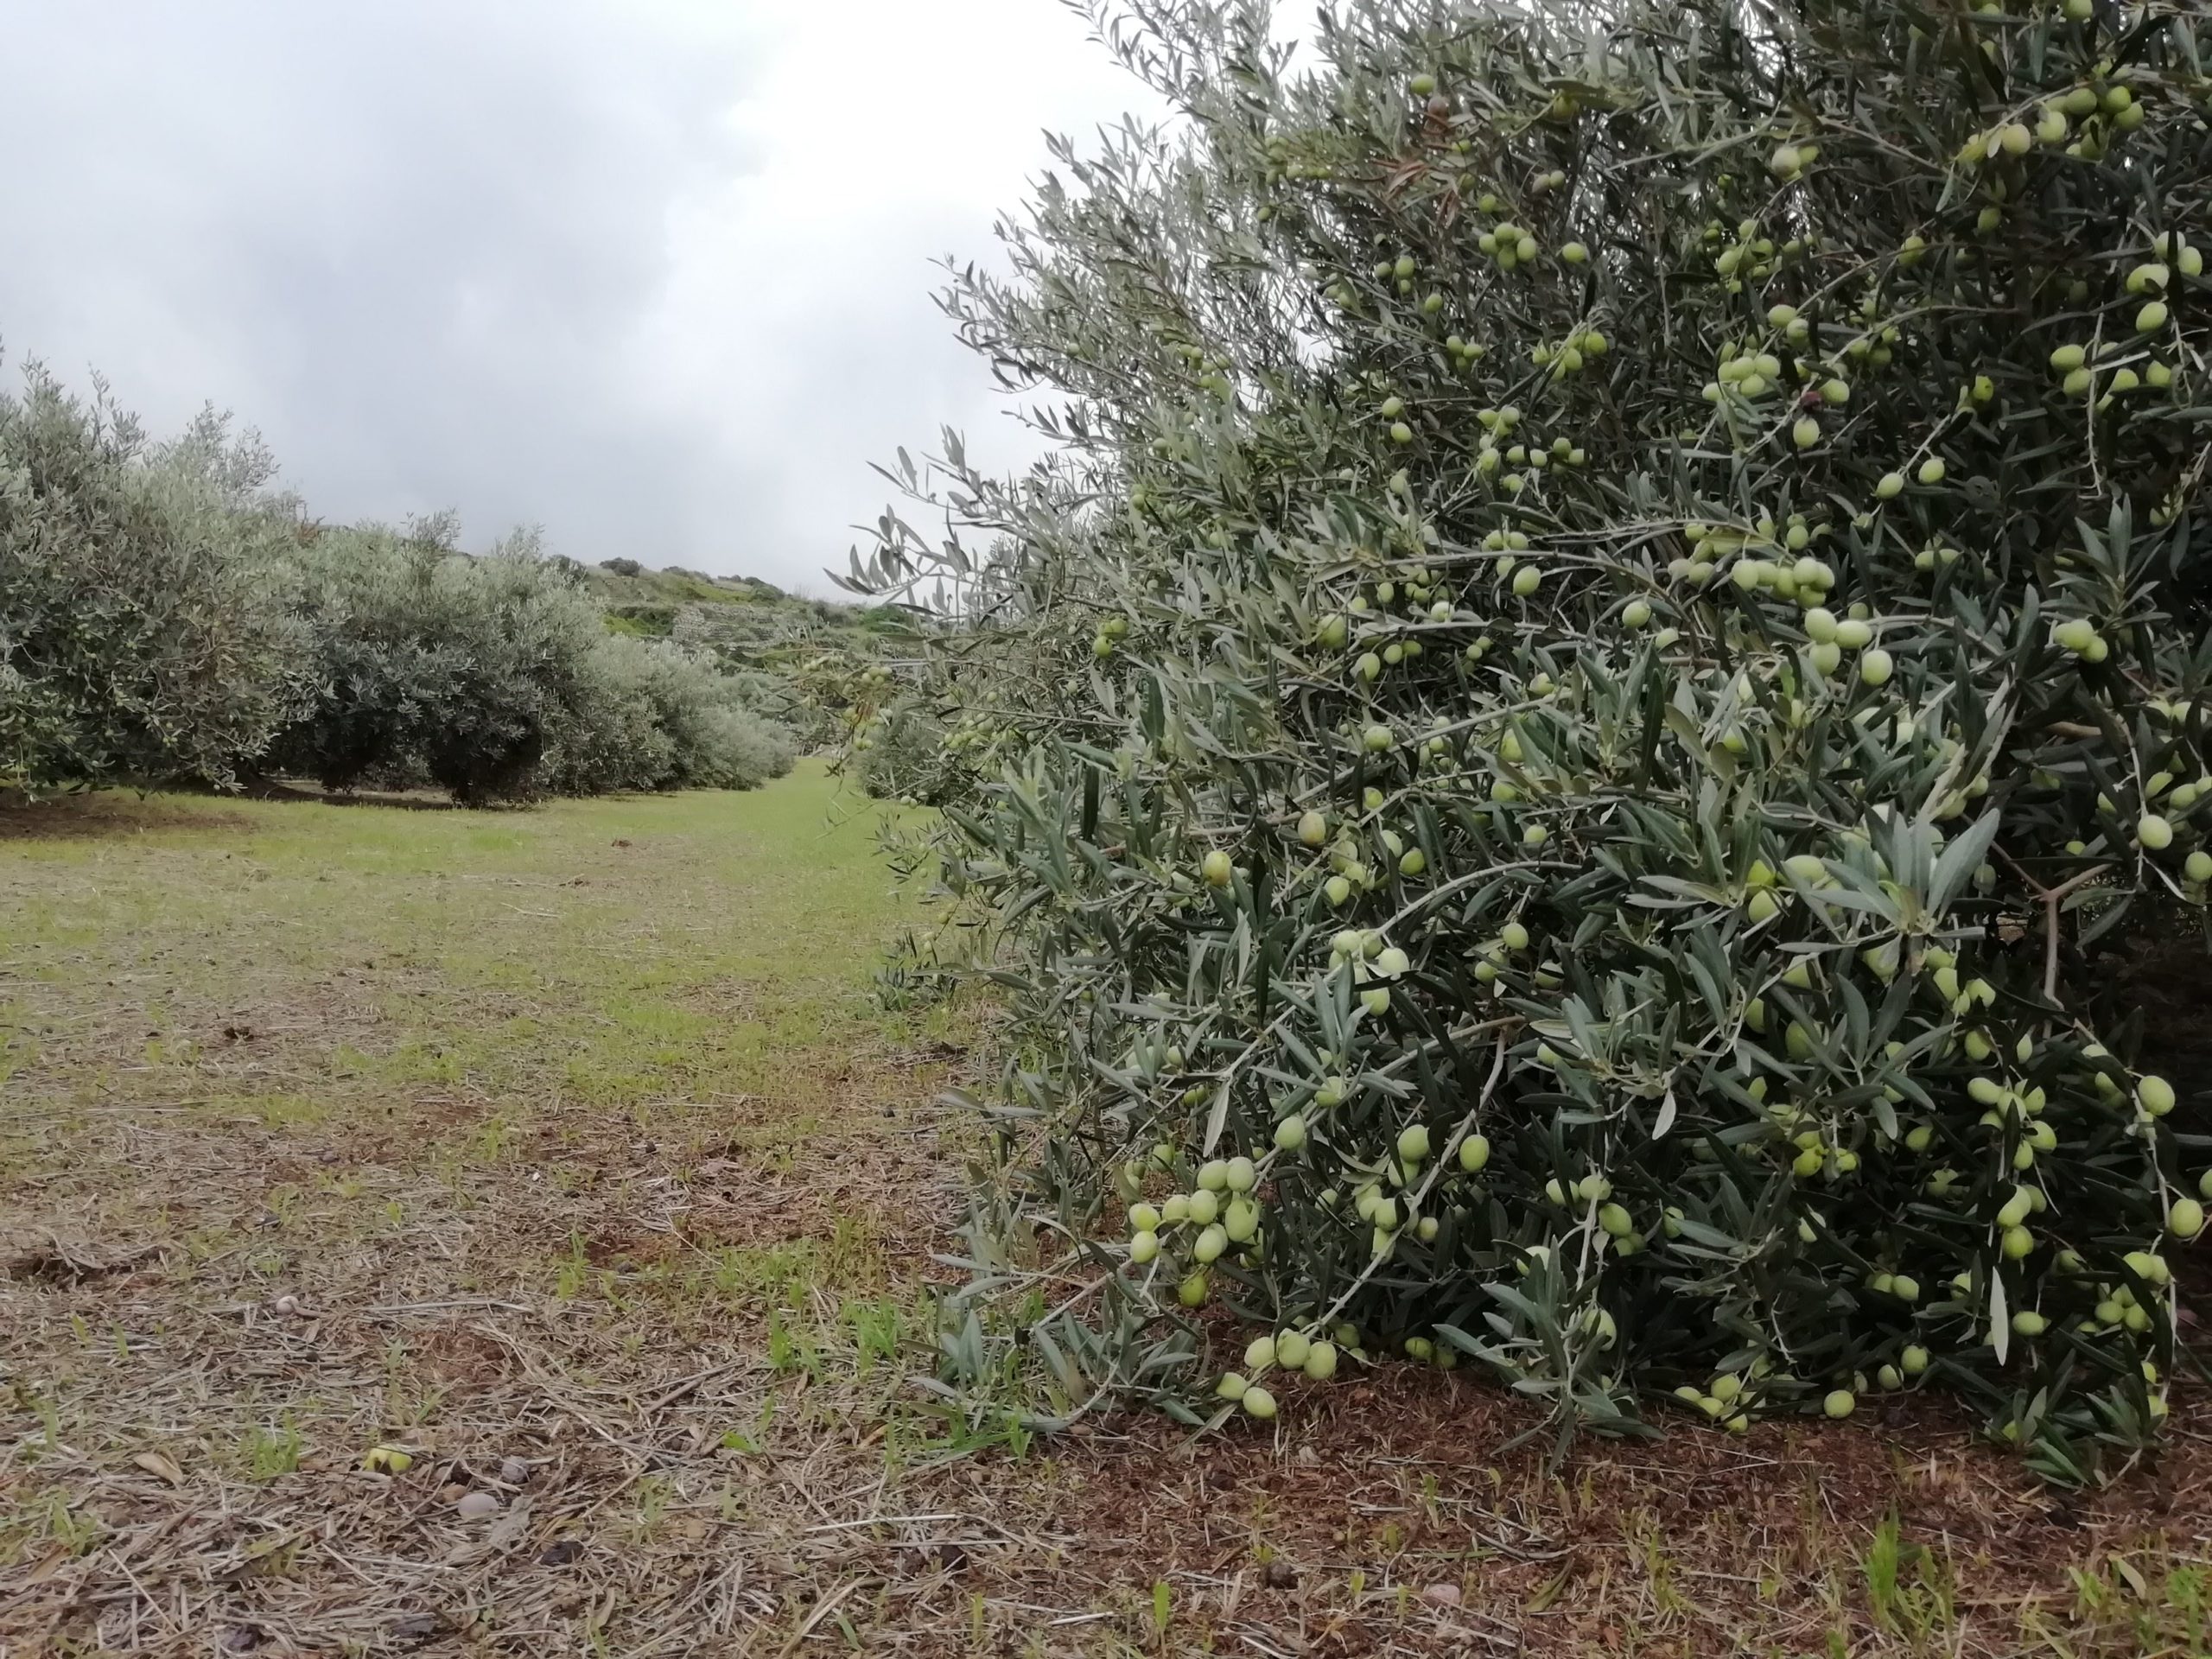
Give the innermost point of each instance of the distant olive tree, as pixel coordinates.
(140, 636)
(495, 678)
(654, 716)
(1618, 618)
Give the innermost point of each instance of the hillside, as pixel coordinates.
(744, 619)
(773, 642)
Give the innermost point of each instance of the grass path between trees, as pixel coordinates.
(567, 1155)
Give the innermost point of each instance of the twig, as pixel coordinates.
(888, 1520)
(689, 1385)
(2051, 899)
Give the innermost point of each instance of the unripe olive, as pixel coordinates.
(2147, 1266)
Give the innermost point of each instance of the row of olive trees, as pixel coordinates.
(496, 677)
(166, 614)
(1617, 637)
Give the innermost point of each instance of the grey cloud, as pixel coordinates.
(636, 272)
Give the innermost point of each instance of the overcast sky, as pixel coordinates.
(653, 274)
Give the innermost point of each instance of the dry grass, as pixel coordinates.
(567, 1152)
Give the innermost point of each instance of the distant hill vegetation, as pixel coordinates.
(793, 657)
(732, 613)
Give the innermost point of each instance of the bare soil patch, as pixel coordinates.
(105, 815)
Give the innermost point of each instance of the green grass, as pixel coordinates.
(721, 952)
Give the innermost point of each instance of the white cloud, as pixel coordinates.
(801, 318)
(653, 273)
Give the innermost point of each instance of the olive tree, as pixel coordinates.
(1615, 619)
(496, 679)
(433, 666)
(654, 716)
(140, 635)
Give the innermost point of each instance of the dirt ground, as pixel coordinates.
(561, 1167)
